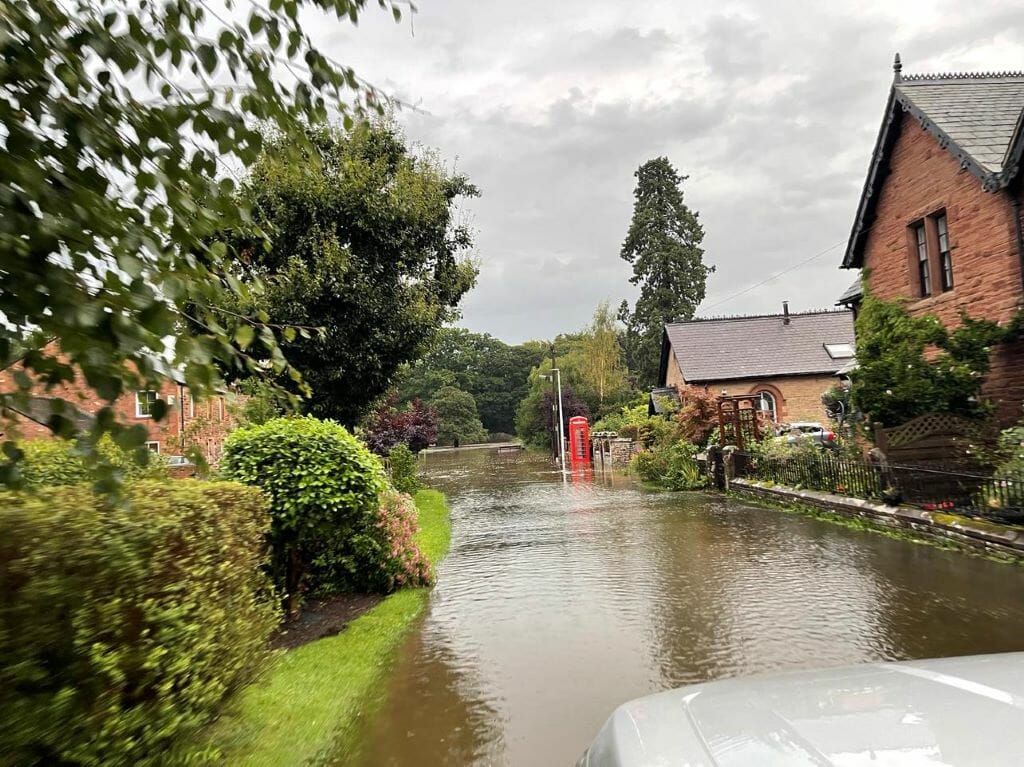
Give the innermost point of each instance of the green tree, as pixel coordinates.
(494, 372)
(664, 246)
(117, 120)
(458, 419)
(363, 245)
(603, 368)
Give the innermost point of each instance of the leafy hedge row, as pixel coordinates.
(123, 627)
(50, 462)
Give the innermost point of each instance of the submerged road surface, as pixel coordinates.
(561, 600)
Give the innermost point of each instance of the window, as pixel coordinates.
(191, 406)
(924, 276)
(144, 403)
(945, 256)
(766, 404)
(839, 351)
(153, 446)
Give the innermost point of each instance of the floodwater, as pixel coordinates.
(560, 600)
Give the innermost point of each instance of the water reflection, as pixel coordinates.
(565, 596)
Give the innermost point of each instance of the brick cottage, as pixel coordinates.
(189, 422)
(787, 360)
(939, 220)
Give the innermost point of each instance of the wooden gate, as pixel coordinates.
(739, 420)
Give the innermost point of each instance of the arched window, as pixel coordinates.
(766, 404)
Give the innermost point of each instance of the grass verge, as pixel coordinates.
(317, 693)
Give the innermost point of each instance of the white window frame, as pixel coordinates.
(191, 405)
(153, 445)
(837, 351)
(149, 403)
(773, 411)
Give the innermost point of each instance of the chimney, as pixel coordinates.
(785, 312)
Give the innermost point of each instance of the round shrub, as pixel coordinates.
(123, 628)
(324, 487)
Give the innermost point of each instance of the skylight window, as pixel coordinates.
(839, 351)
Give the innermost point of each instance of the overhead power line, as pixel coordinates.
(775, 276)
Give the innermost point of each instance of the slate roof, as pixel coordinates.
(757, 347)
(976, 117)
(852, 294)
(40, 410)
(979, 113)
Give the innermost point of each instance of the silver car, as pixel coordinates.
(957, 712)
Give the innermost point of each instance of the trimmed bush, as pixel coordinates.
(51, 462)
(403, 469)
(123, 628)
(324, 487)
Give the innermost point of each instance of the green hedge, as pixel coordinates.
(123, 628)
(324, 487)
(48, 462)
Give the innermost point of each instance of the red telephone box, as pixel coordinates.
(579, 440)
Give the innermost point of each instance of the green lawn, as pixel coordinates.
(316, 695)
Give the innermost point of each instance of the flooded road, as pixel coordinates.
(561, 600)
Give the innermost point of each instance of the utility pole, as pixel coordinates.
(561, 433)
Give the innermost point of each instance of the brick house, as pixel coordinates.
(189, 422)
(939, 220)
(787, 359)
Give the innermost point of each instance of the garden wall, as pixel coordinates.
(985, 537)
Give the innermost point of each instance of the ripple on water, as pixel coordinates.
(559, 601)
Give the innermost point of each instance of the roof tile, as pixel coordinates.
(755, 347)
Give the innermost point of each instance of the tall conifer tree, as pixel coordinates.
(664, 246)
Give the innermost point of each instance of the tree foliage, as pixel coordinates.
(603, 368)
(413, 426)
(909, 366)
(494, 372)
(536, 416)
(364, 244)
(664, 246)
(117, 121)
(458, 420)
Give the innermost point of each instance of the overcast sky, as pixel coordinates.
(549, 106)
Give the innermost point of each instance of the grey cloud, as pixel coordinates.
(550, 107)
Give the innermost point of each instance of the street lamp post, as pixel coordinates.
(561, 434)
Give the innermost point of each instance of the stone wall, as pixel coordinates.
(974, 535)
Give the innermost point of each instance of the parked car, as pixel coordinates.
(800, 430)
(959, 712)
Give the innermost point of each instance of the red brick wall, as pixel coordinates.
(925, 178)
(797, 398)
(204, 423)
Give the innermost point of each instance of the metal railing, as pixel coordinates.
(969, 491)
